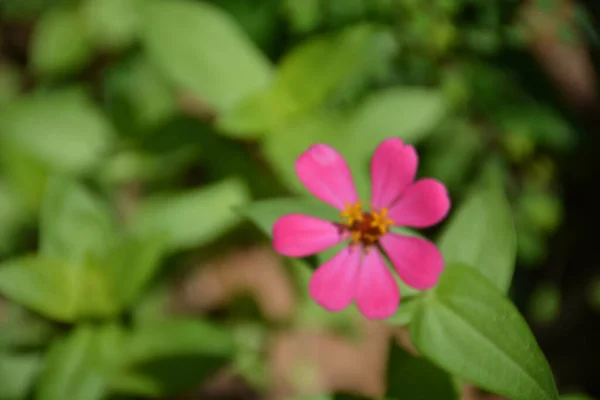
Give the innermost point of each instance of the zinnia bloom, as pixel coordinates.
(359, 272)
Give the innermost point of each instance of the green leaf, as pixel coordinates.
(467, 327)
(171, 356)
(111, 24)
(201, 49)
(133, 262)
(482, 234)
(17, 375)
(60, 45)
(62, 129)
(79, 366)
(409, 113)
(416, 378)
(45, 286)
(192, 218)
(57, 289)
(312, 74)
(75, 225)
(264, 213)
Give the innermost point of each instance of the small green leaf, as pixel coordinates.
(416, 378)
(63, 129)
(467, 327)
(75, 225)
(192, 218)
(79, 366)
(482, 234)
(264, 213)
(60, 45)
(17, 375)
(201, 49)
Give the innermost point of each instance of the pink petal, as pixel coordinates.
(393, 168)
(333, 285)
(422, 204)
(418, 262)
(378, 295)
(298, 235)
(326, 175)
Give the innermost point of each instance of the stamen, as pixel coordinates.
(365, 228)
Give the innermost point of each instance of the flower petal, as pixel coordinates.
(297, 235)
(378, 295)
(326, 175)
(418, 262)
(422, 204)
(333, 285)
(393, 168)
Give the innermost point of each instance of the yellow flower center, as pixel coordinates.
(365, 227)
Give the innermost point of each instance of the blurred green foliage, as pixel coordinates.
(137, 133)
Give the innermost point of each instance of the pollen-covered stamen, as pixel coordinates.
(365, 227)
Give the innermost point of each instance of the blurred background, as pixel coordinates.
(132, 130)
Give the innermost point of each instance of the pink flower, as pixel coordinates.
(358, 272)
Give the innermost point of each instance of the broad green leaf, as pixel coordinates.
(409, 113)
(57, 289)
(17, 375)
(312, 74)
(264, 213)
(60, 44)
(415, 378)
(79, 366)
(111, 24)
(322, 67)
(482, 234)
(470, 329)
(171, 356)
(202, 50)
(133, 262)
(75, 225)
(63, 129)
(192, 218)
